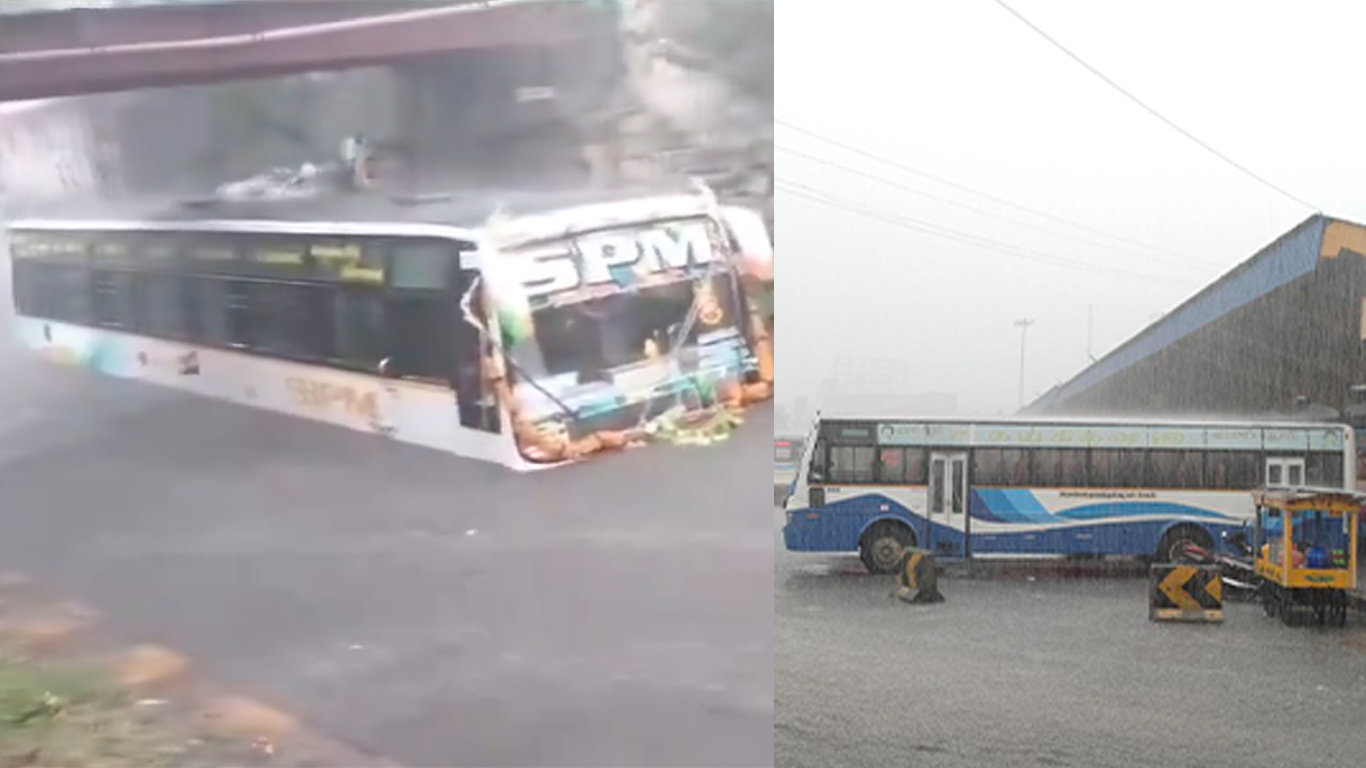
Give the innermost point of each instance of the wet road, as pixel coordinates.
(1049, 673)
(430, 609)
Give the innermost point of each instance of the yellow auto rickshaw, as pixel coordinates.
(1305, 544)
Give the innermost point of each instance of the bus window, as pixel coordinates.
(1059, 467)
(891, 465)
(1323, 469)
(937, 487)
(593, 338)
(205, 300)
(161, 310)
(569, 343)
(1176, 469)
(852, 464)
(957, 472)
(114, 303)
(422, 264)
(1000, 466)
(420, 335)
(902, 466)
(1115, 469)
(360, 328)
(1233, 470)
(816, 471)
(917, 469)
(293, 320)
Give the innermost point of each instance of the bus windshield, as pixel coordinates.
(592, 338)
(622, 323)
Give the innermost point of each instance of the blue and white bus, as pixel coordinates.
(965, 489)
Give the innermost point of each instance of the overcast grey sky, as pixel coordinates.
(962, 90)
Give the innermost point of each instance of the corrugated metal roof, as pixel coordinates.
(1291, 256)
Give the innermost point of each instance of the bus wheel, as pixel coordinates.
(1174, 543)
(884, 546)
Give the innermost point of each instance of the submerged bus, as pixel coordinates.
(963, 489)
(523, 330)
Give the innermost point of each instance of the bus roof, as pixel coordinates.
(1081, 421)
(466, 209)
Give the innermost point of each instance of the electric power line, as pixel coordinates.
(966, 238)
(1131, 97)
(983, 212)
(984, 195)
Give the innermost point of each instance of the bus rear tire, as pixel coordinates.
(884, 546)
(1175, 541)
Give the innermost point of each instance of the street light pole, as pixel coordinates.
(1023, 324)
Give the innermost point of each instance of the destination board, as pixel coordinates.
(1325, 440)
(408, 262)
(53, 246)
(1110, 436)
(1294, 440)
(1237, 439)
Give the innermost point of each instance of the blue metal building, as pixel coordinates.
(1281, 333)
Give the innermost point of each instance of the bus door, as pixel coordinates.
(948, 508)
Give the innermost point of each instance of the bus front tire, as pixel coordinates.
(1175, 541)
(884, 546)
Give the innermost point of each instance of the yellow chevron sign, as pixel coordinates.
(1186, 593)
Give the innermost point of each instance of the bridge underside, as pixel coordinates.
(203, 44)
(135, 24)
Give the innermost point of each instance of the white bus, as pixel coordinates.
(565, 325)
(963, 489)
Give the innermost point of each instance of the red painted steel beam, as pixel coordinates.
(102, 27)
(335, 45)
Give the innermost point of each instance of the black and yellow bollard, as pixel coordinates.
(918, 580)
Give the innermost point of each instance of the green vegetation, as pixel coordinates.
(73, 717)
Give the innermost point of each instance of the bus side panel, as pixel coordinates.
(1126, 537)
(838, 525)
(410, 412)
(1096, 522)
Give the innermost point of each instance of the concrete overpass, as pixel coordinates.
(83, 51)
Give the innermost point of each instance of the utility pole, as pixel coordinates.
(1090, 325)
(1023, 324)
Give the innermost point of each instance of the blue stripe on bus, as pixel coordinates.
(837, 526)
(1007, 505)
(1136, 509)
(1021, 507)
